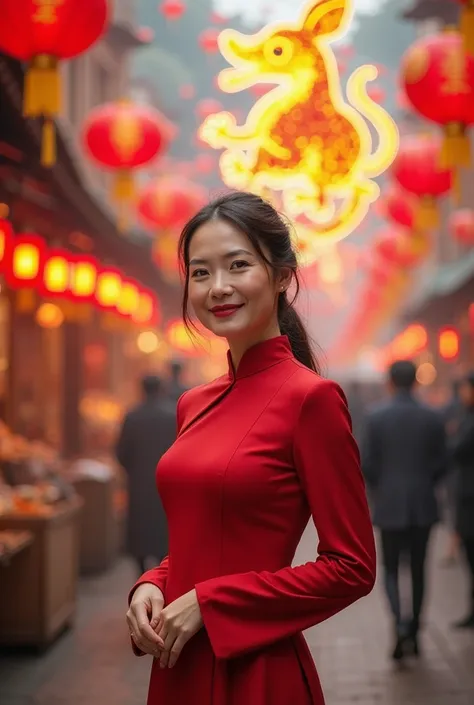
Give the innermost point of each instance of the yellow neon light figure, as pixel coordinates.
(302, 137)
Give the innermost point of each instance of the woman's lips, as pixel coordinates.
(225, 312)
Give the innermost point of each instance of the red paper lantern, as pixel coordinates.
(56, 273)
(461, 225)
(400, 207)
(438, 78)
(401, 248)
(25, 269)
(42, 33)
(208, 40)
(168, 203)
(417, 169)
(448, 343)
(123, 136)
(173, 9)
(208, 106)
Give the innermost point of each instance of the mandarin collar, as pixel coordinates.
(260, 357)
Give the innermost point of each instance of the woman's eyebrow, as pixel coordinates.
(233, 253)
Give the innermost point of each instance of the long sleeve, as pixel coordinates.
(248, 611)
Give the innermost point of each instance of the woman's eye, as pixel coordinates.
(239, 264)
(199, 273)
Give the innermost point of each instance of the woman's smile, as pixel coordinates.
(226, 310)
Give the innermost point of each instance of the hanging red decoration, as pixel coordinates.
(401, 248)
(123, 136)
(208, 40)
(208, 106)
(438, 78)
(417, 170)
(172, 9)
(167, 203)
(42, 33)
(399, 206)
(461, 226)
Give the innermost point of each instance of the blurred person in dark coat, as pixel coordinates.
(175, 386)
(147, 432)
(452, 414)
(404, 455)
(463, 456)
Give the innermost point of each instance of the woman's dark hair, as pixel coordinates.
(266, 229)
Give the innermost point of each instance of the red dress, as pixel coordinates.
(258, 453)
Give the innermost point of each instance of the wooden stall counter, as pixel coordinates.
(38, 586)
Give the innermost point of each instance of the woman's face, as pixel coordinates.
(231, 289)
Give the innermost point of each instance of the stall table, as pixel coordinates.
(38, 587)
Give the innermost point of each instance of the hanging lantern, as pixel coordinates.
(173, 9)
(467, 24)
(122, 137)
(438, 77)
(168, 203)
(417, 169)
(83, 278)
(42, 33)
(461, 225)
(401, 248)
(27, 257)
(56, 273)
(108, 288)
(448, 343)
(400, 207)
(147, 312)
(208, 40)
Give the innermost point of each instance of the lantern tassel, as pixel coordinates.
(467, 27)
(43, 97)
(48, 144)
(456, 148)
(123, 193)
(427, 216)
(42, 87)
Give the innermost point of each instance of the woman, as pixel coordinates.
(259, 451)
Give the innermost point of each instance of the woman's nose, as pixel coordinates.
(220, 286)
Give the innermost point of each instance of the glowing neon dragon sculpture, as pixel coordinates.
(302, 138)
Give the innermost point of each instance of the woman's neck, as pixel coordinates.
(238, 348)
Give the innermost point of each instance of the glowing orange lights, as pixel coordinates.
(83, 278)
(29, 264)
(408, 344)
(302, 138)
(448, 343)
(107, 293)
(56, 274)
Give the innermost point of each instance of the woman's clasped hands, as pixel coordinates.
(162, 631)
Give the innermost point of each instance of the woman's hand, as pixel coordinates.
(143, 617)
(179, 621)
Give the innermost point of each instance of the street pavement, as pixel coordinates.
(93, 665)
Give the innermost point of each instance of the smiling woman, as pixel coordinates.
(259, 451)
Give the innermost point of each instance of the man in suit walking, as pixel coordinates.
(404, 456)
(147, 432)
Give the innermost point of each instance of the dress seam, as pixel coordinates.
(224, 476)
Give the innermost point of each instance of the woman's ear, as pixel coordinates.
(284, 279)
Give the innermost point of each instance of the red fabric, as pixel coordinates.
(258, 453)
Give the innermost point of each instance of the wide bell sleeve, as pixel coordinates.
(248, 611)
